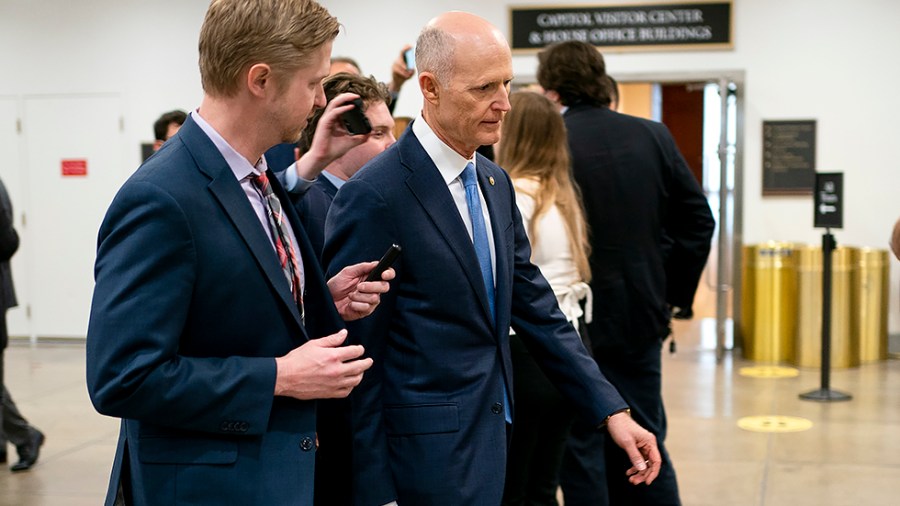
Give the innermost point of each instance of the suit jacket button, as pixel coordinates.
(242, 427)
(306, 444)
(497, 408)
(224, 427)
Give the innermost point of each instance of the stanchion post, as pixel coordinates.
(825, 393)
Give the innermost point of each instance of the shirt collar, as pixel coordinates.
(239, 165)
(448, 162)
(336, 181)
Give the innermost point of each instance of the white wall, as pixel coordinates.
(828, 60)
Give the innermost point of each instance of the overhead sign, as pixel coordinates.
(687, 25)
(829, 200)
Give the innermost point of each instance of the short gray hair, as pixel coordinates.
(434, 53)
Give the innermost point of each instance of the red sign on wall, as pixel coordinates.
(74, 167)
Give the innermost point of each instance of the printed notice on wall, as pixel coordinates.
(789, 157)
(695, 25)
(74, 167)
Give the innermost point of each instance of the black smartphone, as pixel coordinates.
(355, 120)
(389, 256)
(410, 56)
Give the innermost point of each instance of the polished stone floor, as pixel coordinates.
(850, 456)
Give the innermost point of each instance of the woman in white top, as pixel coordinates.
(534, 150)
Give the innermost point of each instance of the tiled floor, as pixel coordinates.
(47, 383)
(851, 455)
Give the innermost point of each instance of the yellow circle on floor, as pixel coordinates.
(774, 423)
(769, 371)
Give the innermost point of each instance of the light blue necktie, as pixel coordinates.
(479, 234)
(483, 251)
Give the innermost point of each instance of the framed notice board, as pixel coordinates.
(789, 157)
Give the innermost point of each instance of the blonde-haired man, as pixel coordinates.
(208, 295)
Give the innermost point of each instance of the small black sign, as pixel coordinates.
(829, 200)
(789, 157)
(652, 26)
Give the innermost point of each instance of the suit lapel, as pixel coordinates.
(228, 192)
(234, 202)
(431, 191)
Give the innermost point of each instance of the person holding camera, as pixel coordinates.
(353, 127)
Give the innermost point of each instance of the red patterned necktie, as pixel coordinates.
(277, 225)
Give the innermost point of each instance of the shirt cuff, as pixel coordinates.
(294, 183)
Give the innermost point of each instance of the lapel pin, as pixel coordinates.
(491, 180)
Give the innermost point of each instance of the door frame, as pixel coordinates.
(733, 283)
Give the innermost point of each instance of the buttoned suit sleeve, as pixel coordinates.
(136, 368)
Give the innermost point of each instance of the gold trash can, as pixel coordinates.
(844, 341)
(871, 303)
(768, 307)
(746, 326)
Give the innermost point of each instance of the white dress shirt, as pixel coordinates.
(451, 166)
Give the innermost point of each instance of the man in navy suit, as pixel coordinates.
(209, 310)
(650, 235)
(431, 418)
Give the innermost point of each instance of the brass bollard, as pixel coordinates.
(871, 303)
(769, 295)
(844, 339)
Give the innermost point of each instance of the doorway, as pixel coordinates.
(704, 115)
(14, 179)
(70, 173)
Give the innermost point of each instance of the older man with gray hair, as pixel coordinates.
(432, 418)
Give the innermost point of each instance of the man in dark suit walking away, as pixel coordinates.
(13, 426)
(650, 229)
(212, 329)
(431, 418)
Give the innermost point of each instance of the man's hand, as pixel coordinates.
(331, 140)
(399, 73)
(639, 444)
(320, 369)
(355, 297)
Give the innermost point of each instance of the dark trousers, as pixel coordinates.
(539, 433)
(13, 426)
(333, 481)
(593, 469)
